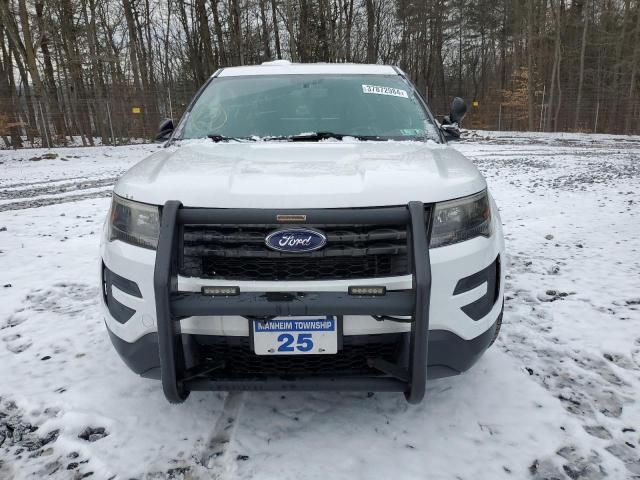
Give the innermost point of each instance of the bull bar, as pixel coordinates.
(172, 304)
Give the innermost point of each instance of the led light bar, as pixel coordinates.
(221, 291)
(368, 291)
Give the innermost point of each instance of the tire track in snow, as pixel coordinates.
(216, 455)
(6, 471)
(42, 182)
(44, 202)
(57, 189)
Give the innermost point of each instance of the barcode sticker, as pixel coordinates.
(376, 90)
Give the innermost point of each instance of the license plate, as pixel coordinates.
(295, 336)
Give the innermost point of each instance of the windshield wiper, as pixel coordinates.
(222, 138)
(317, 136)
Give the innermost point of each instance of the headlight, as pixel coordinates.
(134, 223)
(460, 220)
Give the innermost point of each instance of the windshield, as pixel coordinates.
(375, 107)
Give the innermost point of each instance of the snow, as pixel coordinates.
(556, 397)
(69, 141)
(279, 68)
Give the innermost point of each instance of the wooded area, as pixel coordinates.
(112, 69)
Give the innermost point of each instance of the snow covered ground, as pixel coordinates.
(74, 141)
(555, 398)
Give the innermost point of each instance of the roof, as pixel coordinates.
(284, 67)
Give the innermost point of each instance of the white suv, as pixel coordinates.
(305, 227)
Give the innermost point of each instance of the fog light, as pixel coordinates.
(368, 291)
(221, 291)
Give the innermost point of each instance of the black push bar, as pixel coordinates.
(172, 305)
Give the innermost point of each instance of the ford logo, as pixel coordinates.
(295, 240)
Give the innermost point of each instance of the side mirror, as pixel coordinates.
(451, 123)
(165, 130)
(451, 131)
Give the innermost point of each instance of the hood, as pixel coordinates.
(326, 174)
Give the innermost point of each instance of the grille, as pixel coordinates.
(240, 361)
(238, 252)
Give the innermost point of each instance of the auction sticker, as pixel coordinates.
(376, 90)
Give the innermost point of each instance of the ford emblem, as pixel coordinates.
(295, 240)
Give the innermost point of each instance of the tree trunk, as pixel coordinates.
(206, 58)
(556, 65)
(265, 30)
(274, 15)
(219, 36)
(237, 52)
(74, 65)
(303, 38)
(370, 7)
(54, 105)
(7, 95)
(293, 44)
(615, 98)
(348, 28)
(96, 71)
(583, 48)
(530, 73)
(323, 34)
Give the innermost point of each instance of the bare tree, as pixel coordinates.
(114, 68)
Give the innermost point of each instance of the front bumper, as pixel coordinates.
(166, 314)
(448, 355)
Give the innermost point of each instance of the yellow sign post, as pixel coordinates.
(136, 110)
